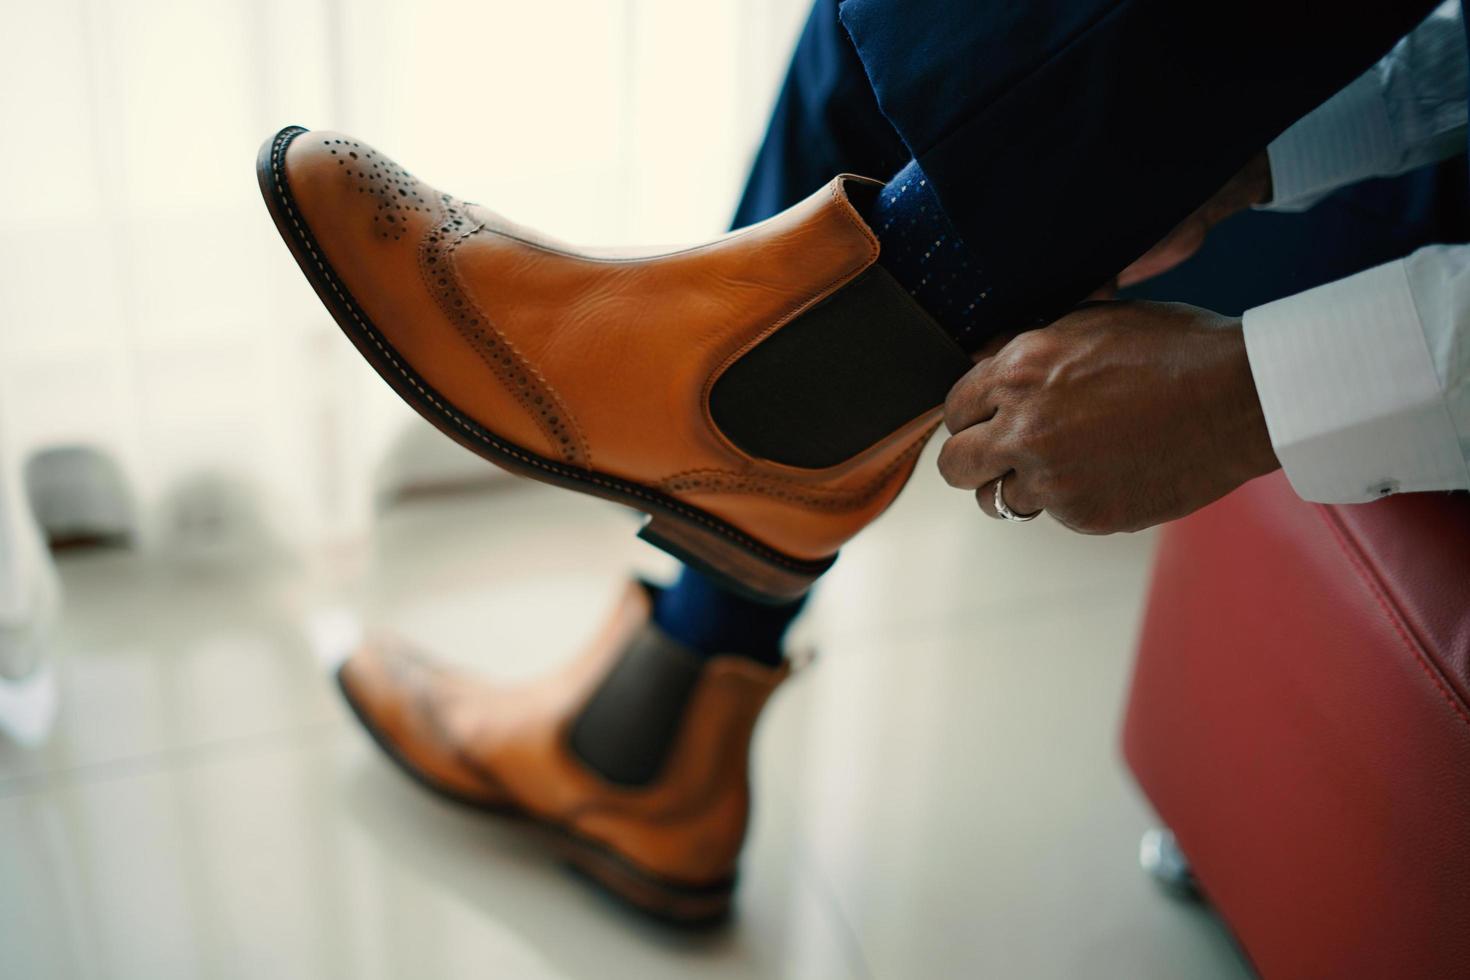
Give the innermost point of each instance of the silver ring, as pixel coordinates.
(1005, 512)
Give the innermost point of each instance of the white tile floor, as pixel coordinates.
(940, 795)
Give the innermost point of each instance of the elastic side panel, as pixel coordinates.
(840, 377)
(628, 727)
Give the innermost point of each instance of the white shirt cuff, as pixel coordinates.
(1349, 390)
(1346, 139)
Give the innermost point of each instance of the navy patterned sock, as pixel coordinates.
(711, 620)
(921, 249)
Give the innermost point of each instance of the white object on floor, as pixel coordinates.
(79, 492)
(28, 707)
(30, 595)
(333, 634)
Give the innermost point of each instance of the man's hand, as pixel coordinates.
(1251, 186)
(1116, 417)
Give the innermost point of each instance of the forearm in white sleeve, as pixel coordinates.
(1406, 111)
(1365, 382)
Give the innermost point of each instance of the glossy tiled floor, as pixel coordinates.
(940, 795)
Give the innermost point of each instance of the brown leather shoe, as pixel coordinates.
(762, 397)
(634, 755)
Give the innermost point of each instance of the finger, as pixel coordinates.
(985, 497)
(972, 400)
(1107, 291)
(971, 458)
(992, 346)
(1176, 246)
(1017, 493)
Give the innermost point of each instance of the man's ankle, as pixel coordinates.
(711, 620)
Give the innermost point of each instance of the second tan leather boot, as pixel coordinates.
(762, 397)
(634, 755)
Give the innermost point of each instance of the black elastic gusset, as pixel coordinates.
(837, 379)
(626, 730)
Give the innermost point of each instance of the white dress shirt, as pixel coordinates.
(1365, 382)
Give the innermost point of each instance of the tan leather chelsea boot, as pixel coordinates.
(761, 397)
(634, 755)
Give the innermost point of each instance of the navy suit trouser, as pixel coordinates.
(1064, 137)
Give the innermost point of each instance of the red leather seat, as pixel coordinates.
(1300, 718)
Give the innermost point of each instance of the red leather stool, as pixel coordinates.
(1300, 719)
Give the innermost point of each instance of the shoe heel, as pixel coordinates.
(670, 902)
(775, 580)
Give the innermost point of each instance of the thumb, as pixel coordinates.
(1176, 246)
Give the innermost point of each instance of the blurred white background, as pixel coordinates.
(146, 304)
